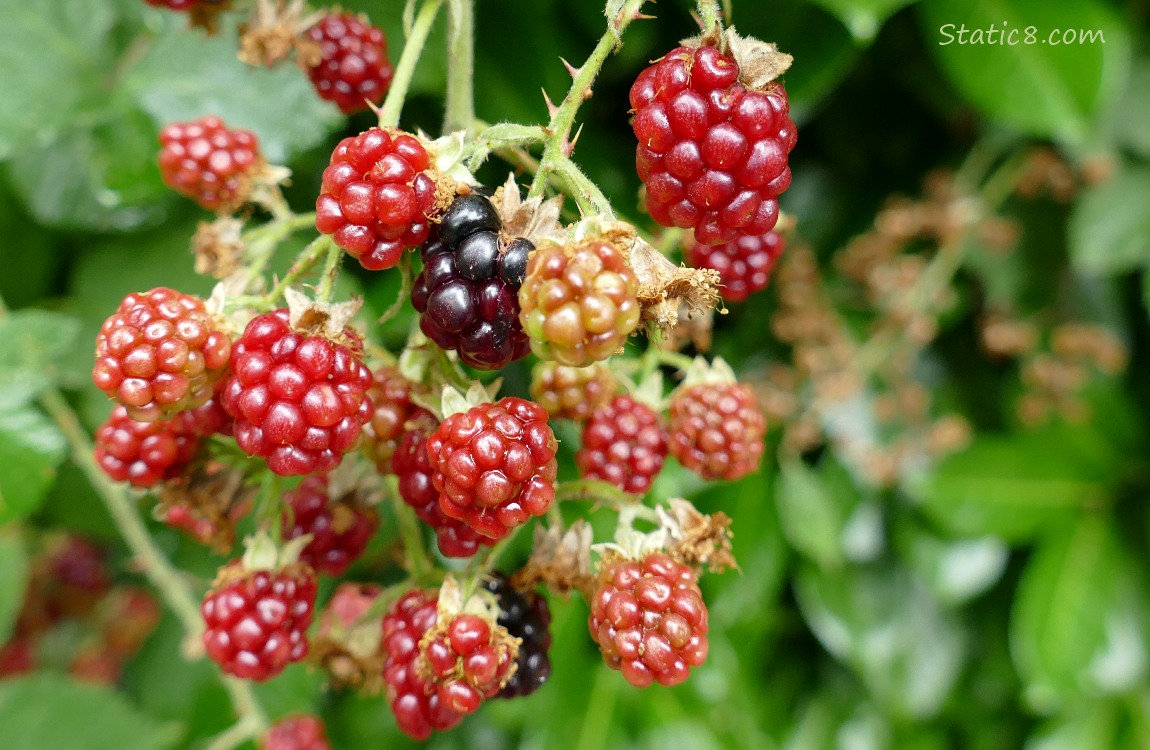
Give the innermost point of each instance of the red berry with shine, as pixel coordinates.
(160, 353)
(624, 444)
(649, 619)
(352, 68)
(394, 414)
(413, 469)
(468, 660)
(256, 621)
(717, 430)
(744, 264)
(144, 453)
(712, 154)
(377, 196)
(300, 401)
(341, 527)
(302, 732)
(209, 163)
(417, 707)
(495, 465)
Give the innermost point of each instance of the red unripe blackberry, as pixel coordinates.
(209, 163)
(256, 621)
(571, 392)
(95, 666)
(744, 264)
(415, 703)
(413, 469)
(624, 444)
(712, 154)
(467, 660)
(17, 657)
(351, 68)
(467, 293)
(495, 465)
(299, 400)
(578, 304)
(528, 618)
(649, 619)
(394, 414)
(717, 430)
(160, 353)
(128, 616)
(144, 453)
(377, 196)
(341, 528)
(302, 732)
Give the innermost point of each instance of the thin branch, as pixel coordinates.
(460, 101)
(405, 68)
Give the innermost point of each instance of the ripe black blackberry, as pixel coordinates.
(468, 292)
(526, 616)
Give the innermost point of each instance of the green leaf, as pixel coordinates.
(51, 711)
(863, 17)
(1109, 229)
(30, 450)
(185, 76)
(954, 570)
(13, 580)
(1091, 725)
(888, 627)
(1041, 88)
(812, 519)
(1013, 486)
(1075, 626)
(55, 58)
(1132, 120)
(31, 341)
(102, 177)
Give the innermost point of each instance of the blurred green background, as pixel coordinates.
(998, 600)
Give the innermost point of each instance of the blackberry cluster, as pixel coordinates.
(624, 444)
(147, 453)
(528, 618)
(416, 704)
(301, 732)
(413, 469)
(744, 264)
(494, 465)
(717, 430)
(467, 294)
(160, 353)
(256, 621)
(579, 302)
(340, 528)
(208, 162)
(649, 619)
(712, 154)
(352, 69)
(299, 401)
(377, 196)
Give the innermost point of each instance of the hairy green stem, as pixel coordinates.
(419, 564)
(330, 270)
(556, 150)
(709, 15)
(404, 268)
(263, 241)
(593, 490)
(405, 68)
(304, 263)
(460, 101)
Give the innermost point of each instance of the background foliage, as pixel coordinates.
(991, 599)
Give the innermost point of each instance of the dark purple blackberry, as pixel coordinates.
(525, 616)
(468, 292)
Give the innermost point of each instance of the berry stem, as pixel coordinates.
(330, 270)
(593, 490)
(405, 68)
(170, 583)
(410, 533)
(404, 268)
(304, 263)
(263, 241)
(460, 100)
(557, 149)
(709, 15)
(499, 137)
(237, 734)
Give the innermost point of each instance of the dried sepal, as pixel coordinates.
(347, 645)
(759, 62)
(697, 539)
(274, 30)
(560, 560)
(534, 219)
(206, 502)
(218, 247)
(320, 318)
